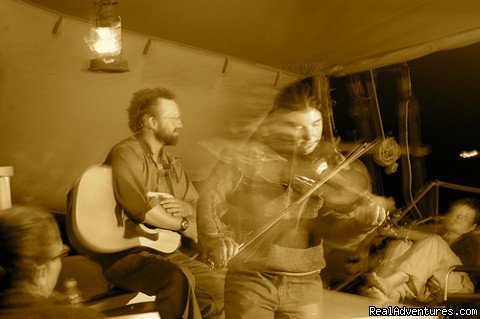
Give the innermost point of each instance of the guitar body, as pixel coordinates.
(95, 225)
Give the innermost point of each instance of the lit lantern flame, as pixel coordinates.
(105, 42)
(468, 154)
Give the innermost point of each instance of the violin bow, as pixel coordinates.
(355, 154)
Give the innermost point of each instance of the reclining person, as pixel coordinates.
(416, 267)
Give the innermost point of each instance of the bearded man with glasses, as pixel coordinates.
(141, 167)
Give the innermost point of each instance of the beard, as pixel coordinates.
(168, 138)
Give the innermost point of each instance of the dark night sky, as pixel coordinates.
(446, 86)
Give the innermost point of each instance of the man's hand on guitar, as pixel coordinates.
(177, 207)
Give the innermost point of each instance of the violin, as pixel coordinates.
(342, 191)
(346, 189)
(327, 180)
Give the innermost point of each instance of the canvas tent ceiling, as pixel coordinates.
(303, 36)
(57, 118)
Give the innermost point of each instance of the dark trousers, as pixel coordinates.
(172, 279)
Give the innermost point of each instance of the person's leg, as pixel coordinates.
(425, 259)
(250, 295)
(300, 298)
(153, 275)
(458, 282)
(385, 277)
(389, 283)
(209, 285)
(393, 256)
(419, 263)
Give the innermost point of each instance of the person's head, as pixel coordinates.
(30, 250)
(154, 110)
(462, 216)
(295, 122)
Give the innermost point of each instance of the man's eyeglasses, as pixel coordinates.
(176, 118)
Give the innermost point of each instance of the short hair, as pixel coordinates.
(28, 236)
(297, 96)
(141, 103)
(471, 202)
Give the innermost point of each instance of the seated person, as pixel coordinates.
(30, 262)
(416, 267)
(183, 287)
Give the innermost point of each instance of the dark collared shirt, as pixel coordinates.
(468, 249)
(135, 174)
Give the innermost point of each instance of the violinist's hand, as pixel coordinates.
(380, 214)
(221, 249)
(388, 231)
(386, 202)
(373, 215)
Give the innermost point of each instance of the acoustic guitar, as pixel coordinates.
(98, 225)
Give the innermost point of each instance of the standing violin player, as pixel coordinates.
(279, 273)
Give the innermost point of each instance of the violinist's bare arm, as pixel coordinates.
(211, 208)
(370, 214)
(348, 230)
